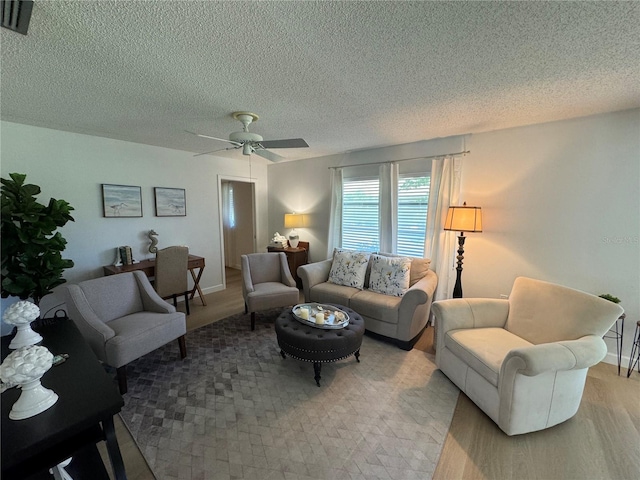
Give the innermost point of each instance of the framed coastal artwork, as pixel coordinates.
(119, 201)
(170, 202)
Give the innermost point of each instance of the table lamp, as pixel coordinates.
(462, 219)
(293, 221)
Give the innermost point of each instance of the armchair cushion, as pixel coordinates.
(140, 333)
(484, 349)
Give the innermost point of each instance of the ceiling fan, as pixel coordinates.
(252, 142)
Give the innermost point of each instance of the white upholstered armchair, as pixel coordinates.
(524, 360)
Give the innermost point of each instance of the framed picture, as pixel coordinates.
(170, 202)
(120, 201)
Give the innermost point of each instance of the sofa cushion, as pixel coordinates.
(483, 349)
(331, 293)
(349, 268)
(419, 269)
(389, 275)
(384, 308)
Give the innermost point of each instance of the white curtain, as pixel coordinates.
(388, 174)
(335, 219)
(439, 245)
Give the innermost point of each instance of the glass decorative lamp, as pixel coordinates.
(462, 219)
(293, 221)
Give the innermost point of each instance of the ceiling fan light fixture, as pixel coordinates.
(247, 149)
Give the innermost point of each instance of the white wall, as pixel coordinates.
(560, 203)
(73, 167)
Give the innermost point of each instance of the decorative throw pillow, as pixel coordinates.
(390, 275)
(349, 268)
(419, 267)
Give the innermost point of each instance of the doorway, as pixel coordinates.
(237, 217)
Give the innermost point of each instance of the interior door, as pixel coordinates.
(238, 225)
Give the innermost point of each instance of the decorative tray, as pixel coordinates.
(319, 315)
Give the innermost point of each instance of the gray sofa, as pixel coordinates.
(401, 319)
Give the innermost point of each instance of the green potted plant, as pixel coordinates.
(32, 262)
(610, 297)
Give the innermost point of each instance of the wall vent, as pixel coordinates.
(16, 14)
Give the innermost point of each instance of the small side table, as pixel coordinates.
(295, 257)
(617, 334)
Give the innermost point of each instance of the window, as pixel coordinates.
(360, 217)
(392, 222)
(413, 201)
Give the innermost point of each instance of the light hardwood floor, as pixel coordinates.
(601, 442)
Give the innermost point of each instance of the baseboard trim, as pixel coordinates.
(612, 358)
(215, 288)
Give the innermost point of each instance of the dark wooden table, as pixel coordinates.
(82, 416)
(295, 257)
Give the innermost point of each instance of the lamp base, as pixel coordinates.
(457, 289)
(293, 239)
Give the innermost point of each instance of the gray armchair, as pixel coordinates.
(267, 283)
(123, 318)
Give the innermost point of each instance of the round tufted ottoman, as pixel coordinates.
(318, 345)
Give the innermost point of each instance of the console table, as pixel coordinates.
(295, 257)
(149, 268)
(82, 416)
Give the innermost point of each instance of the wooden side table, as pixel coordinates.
(295, 257)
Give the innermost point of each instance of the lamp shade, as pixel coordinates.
(464, 219)
(294, 220)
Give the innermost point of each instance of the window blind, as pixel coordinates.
(360, 217)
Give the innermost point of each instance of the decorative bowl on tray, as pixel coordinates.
(319, 315)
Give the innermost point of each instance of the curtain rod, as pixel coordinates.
(404, 159)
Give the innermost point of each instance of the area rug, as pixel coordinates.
(235, 409)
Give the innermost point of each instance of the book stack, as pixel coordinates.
(125, 255)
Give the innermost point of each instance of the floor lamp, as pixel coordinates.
(462, 219)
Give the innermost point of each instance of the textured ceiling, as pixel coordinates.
(342, 75)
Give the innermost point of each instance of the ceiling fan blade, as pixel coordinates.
(213, 138)
(273, 157)
(287, 143)
(218, 150)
